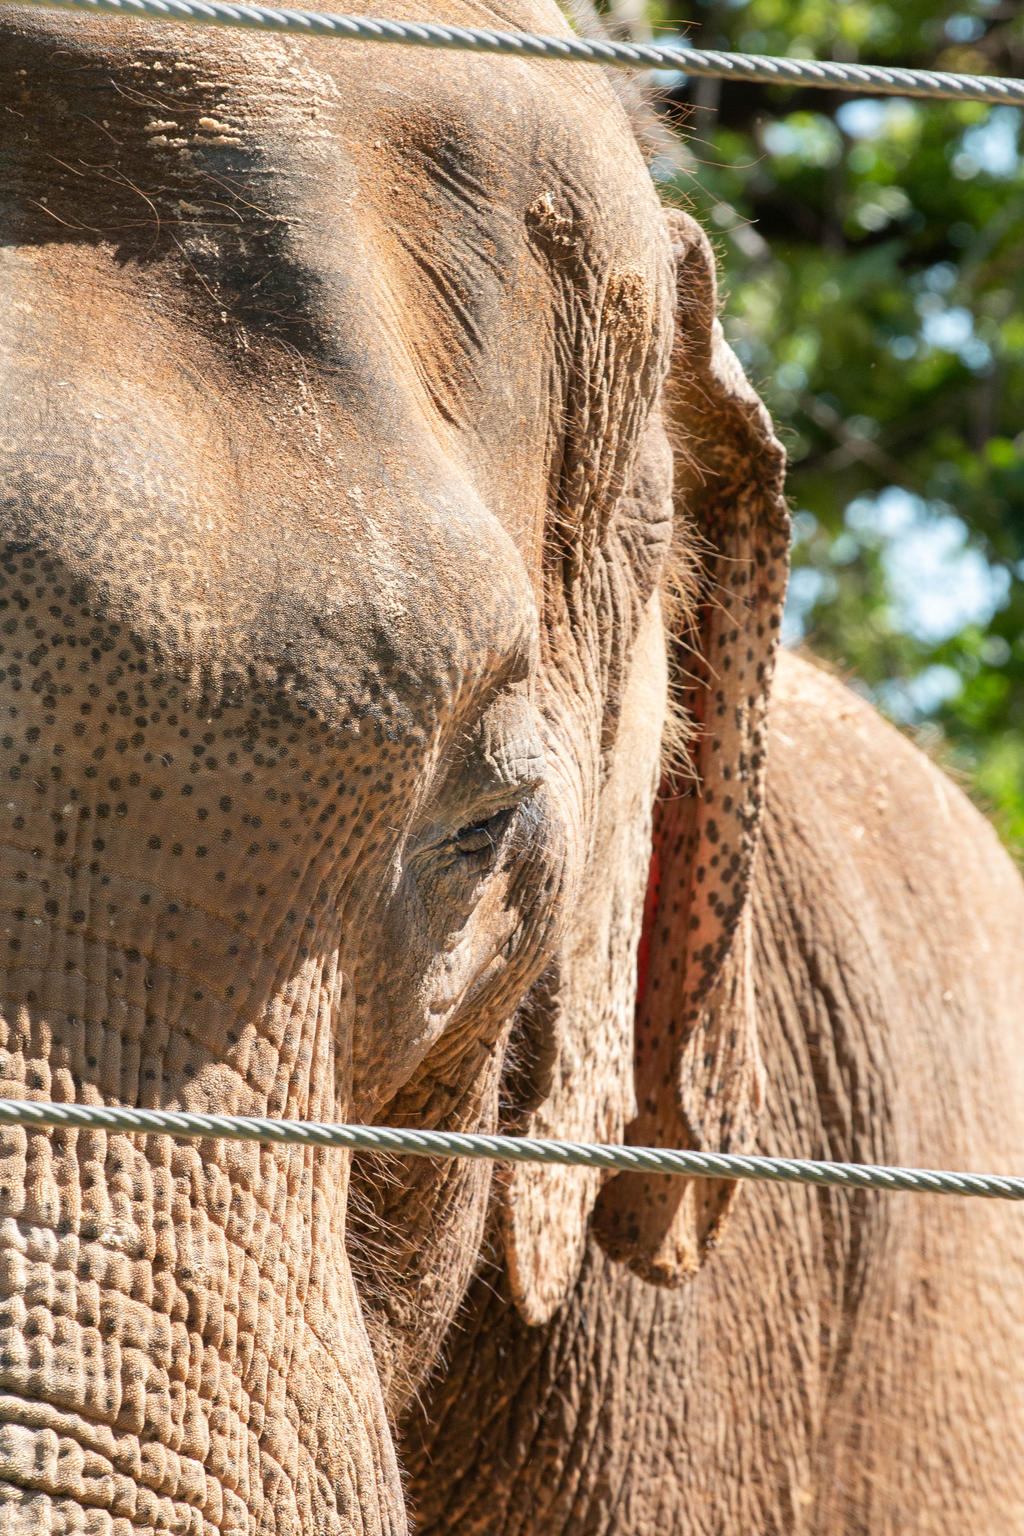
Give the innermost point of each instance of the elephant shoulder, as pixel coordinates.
(888, 922)
(887, 804)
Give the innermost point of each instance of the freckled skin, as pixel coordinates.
(342, 591)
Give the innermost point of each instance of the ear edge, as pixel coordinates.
(700, 1079)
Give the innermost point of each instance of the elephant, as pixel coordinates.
(394, 732)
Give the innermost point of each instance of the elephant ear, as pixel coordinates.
(669, 1057)
(699, 1076)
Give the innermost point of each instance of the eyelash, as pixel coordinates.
(483, 837)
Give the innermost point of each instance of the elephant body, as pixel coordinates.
(393, 558)
(833, 1371)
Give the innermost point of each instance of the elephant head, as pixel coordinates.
(377, 487)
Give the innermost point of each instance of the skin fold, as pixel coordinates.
(392, 563)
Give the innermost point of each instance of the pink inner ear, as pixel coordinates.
(643, 954)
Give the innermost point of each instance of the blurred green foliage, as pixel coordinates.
(873, 259)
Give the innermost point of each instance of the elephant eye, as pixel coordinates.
(483, 837)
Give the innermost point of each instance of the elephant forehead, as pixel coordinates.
(362, 584)
(309, 132)
(408, 249)
(437, 243)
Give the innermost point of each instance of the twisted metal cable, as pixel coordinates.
(866, 79)
(506, 1149)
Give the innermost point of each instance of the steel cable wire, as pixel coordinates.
(506, 1149)
(865, 79)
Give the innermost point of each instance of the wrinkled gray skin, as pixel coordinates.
(335, 654)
